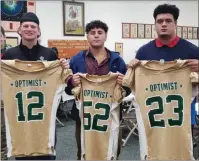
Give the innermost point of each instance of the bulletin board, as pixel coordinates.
(68, 48)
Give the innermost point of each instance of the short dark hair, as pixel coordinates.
(167, 8)
(96, 24)
(3, 31)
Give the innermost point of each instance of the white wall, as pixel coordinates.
(113, 13)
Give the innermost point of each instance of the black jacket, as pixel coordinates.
(38, 52)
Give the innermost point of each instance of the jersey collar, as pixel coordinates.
(171, 44)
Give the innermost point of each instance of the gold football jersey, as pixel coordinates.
(163, 95)
(31, 94)
(98, 103)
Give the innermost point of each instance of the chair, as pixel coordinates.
(129, 118)
(65, 106)
(59, 122)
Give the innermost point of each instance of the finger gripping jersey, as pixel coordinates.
(163, 95)
(31, 94)
(99, 97)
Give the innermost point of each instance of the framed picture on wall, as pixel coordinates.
(73, 18)
(153, 32)
(148, 32)
(125, 30)
(179, 31)
(140, 30)
(184, 32)
(190, 33)
(134, 30)
(12, 11)
(119, 48)
(198, 33)
(195, 33)
(12, 41)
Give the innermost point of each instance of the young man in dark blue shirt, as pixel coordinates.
(168, 45)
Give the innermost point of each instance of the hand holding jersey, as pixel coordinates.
(193, 64)
(64, 63)
(98, 100)
(163, 94)
(34, 90)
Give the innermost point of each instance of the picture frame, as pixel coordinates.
(153, 32)
(119, 48)
(12, 11)
(12, 41)
(198, 33)
(134, 30)
(125, 30)
(184, 32)
(190, 33)
(141, 31)
(73, 18)
(179, 31)
(148, 31)
(195, 33)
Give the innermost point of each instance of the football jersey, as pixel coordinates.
(163, 96)
(98, 103)
(31, 94)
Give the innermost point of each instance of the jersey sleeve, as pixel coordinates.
(118, 93)
(194, 77)
(129, 79)
(66, 74)
(76, 91)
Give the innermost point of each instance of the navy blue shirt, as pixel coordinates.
(183, 49)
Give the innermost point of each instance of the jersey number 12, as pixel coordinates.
(33, 105)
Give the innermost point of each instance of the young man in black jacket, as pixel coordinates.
(30, 50)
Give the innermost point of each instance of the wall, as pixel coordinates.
(113, 13)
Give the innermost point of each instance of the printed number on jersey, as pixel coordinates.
(94, 121)
(160, 102)
(21, 98)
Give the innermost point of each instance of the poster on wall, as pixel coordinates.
(119, 48)
(68, 48)
(184, 32)
(134, 30)
(73, 18)
(153, 32)
(12, 41)
(12, 11)
(140, 30)
(125, 30)
(195, 33)
(179, 31)
(190, 33)
(148, 32)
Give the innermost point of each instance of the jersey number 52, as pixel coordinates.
(93, 121)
